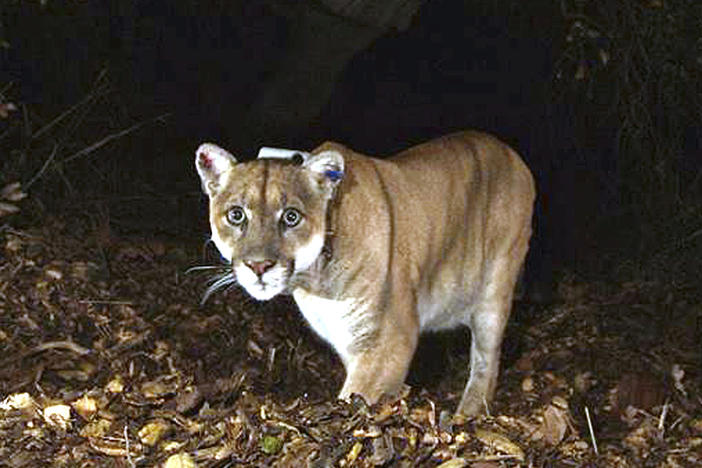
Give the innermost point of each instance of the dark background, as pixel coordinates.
(602, 99)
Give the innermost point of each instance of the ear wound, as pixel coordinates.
(205, 160)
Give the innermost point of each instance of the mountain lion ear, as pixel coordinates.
(329, 164)
(212, 163)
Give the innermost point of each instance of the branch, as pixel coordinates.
(100, 143)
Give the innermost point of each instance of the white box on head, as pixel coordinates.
(267, 152)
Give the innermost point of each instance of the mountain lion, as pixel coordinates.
(374, 251)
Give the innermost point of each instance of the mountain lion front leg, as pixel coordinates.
(382, 367)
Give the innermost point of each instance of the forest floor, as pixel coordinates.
(108, 359)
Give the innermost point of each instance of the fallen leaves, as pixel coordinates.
(153, 431)
(10, 194)
(500, 443)
(58, 415)
(115, 364)
(6, 108)
(555, 421)
(180, 460)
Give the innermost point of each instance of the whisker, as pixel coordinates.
(217, 283)
(206, 267)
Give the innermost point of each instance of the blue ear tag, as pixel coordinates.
(334, 175)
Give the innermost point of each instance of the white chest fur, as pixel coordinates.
(339, 322)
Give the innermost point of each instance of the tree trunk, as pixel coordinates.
(324, 37)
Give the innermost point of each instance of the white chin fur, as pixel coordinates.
(271, 284)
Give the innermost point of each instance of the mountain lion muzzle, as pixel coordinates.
(374, 251)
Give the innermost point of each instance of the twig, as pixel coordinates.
(691, 236)
(487, 407)
(676, 422)
(661, 420)
(99, 301)
(100, 143)
(98, 90)
(41, 171)
(592, 431)
(65, 344)
(271, 359)
(489, 458)
(287, 426)
(6, 132)
(63, 115)
(5, 88)
(129, 455)
(25, 117)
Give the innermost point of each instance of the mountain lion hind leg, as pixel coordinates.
(487, 324)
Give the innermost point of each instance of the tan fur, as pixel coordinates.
(430, 239)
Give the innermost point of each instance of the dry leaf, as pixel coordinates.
(17, 401)
(354, 452)
(12, 192)
(554, 425)
(641, 439)
(58, 416)
(454, 463)
(528, 384)
(383, 450)
(153, 431)
(555, 422)
(6, 108)
(180, 460)
(96, 429)
(115, 447)
(500, 443)
(7, 209)
(85, 406)
(116, 385)
(156, 388)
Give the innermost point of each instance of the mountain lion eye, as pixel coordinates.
(291, 217)
(236, 216)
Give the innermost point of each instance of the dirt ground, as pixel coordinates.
(108, 359)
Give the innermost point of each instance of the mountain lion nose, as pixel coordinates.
(260, 267)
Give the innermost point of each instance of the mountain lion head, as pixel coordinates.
(268, 216)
